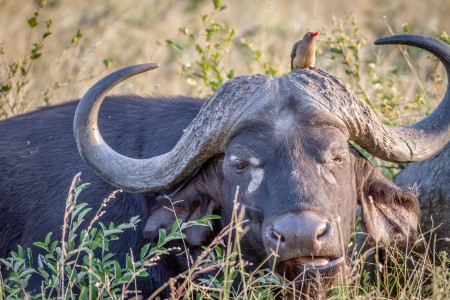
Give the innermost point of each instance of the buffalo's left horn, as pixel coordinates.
(420, 140)
(396, 143)
(205, 137)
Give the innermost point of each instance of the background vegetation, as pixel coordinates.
(52, 51)
(87, 37)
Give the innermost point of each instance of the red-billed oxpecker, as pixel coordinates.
(303, 53)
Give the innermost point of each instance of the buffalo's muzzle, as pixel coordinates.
(294, 235)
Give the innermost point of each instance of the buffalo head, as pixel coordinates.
(285, 143)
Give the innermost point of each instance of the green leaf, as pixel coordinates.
(27, 272)
(175, 236)
(406, 28)
(43, 273)
(46, 34)
(376, 81)
(40, 264)
(210, 217)
(76, 37)
(32, 22)
(144, 251)
(107, 257)
(162, 236)
(117, 270)
(18, 265)
(176, 225)
(30, 256)
(336, 50)
(78, 208)
(219, 251)
(126, 278)
(174, 45)
(78, 190)
(35, 55)
(89, 252)
(53, 246)
(183, 30)
(111, 232)
(6, 87)
(81, 275)
(80, 217)
(217, 4)
(107, 62)
(48, 238)
(143, 273)
(50, 266)
(230, 74)
(23, 71)
(199, 48)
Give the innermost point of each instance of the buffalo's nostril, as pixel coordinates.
(277, 236)
(322, 230)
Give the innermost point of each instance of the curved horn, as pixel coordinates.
(204, 138)
(420, 140)
(392, 143)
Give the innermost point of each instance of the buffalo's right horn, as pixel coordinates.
(205, 137)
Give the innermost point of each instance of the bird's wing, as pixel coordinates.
(293, 55)
(293, 50)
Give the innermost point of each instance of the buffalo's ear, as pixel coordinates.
(389, 213)
(195, 199)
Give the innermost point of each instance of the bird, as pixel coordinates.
(303, 53)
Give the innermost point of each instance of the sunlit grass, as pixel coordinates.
(69, 269)
(88, 39)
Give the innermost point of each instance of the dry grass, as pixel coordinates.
(386, 273)
(134, 31)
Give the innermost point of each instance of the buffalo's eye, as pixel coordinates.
(338, 159)
(240, 166)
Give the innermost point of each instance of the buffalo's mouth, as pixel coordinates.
(305, 268)
(317, 262)
(312, 276)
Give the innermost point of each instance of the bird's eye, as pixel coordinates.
(309, 35)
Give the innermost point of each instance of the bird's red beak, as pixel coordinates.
(315, 33)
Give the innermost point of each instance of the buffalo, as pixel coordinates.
(431, 180)
(284, 141)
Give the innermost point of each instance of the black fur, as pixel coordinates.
(39, 157)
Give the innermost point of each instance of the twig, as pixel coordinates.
(406, 57)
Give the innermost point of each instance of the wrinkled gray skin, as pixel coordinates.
(285, 143)
(431, 179)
